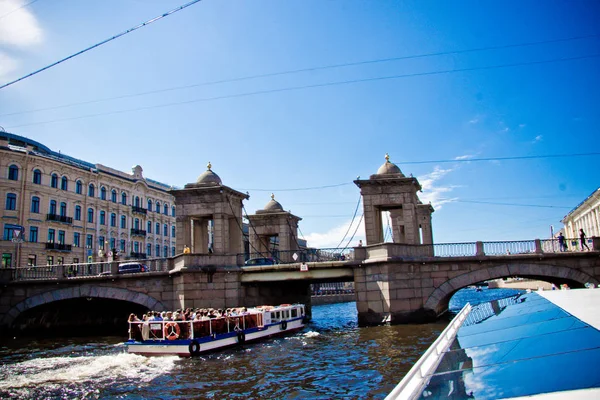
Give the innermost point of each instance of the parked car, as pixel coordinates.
(260, 261)
(129, 268)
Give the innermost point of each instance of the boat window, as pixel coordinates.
(278, 314)
(294, 313)
(272, 315)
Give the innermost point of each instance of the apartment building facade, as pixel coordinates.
(61, 210)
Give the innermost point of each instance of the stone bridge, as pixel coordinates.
(394, 283)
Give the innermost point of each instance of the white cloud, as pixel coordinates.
(474, 121)
(332, 237)
(19, 30)
(538, 138)
(465, 157)
(522, 126)
(434, 193)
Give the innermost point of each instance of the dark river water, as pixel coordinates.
(332, 358)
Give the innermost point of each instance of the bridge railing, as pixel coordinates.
(509, 247)
(71, 271)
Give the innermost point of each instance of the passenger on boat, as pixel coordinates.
(133, 318)
(157, 316)
(145, 328)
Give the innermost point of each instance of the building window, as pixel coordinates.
(149, 250)
(51, 235)
(6, 260)
(91, 190)
(8, 233)
(52, 209)
(102, 218)
(31, 260)
(60, 260)
(166, 251)
(61, 237)
(54, 181)
(149, 205)
(173, 231)
(89, 241)
(158, 230)
(35, 204)
(113, 219)
(158, 250)
(149, 227)
(136, 247)
(173, 251)
(90, 217)
(77, 213)
(136, 201)
(101, 242)
(37, 176)
(11, 201)
(122, 245)
(63, 209)
(124, 198)
(33, 234)
(102, 193)
(113, 243)
(172, 211)
(123, 222)
(166, 209)
(136, 223)
(13, 173)
(78, 187)
(76, 239)
(113, 196)
(165, 230)
(64, 183)
(158, 207)
(50, 260)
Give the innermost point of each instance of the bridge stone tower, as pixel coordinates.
(270, 222)
(209, 216)
(389, 190)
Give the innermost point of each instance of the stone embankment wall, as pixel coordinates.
(519, 284)
(332, 299)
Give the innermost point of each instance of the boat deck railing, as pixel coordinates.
(172, 330)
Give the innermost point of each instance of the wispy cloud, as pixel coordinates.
(19, 31)
(464, 157)
(433, 192)
(537, 139)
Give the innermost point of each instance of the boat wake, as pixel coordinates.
(44, 372)
(311, 334)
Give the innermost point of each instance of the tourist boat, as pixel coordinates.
(191, 338)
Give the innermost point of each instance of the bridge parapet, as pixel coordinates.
(190, 261)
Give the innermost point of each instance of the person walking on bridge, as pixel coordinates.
(582, 240)
(561, 242)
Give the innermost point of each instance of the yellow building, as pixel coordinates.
(61, 210)
(585, 216)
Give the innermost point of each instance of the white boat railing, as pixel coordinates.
(414, 381)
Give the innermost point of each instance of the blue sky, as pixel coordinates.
(295, 138)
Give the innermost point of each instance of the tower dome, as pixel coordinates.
(209, 177)
(273, 205)
(389, 168)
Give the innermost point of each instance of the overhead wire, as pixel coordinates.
(313, 86)
(308, 69)
(352, 221)
(166, 14)
(18, 8)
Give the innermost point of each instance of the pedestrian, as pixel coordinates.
(561, 242)
(582, 240)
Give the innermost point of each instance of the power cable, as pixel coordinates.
(18, 8)
(102, 42)
(508, 204)
(352, 221)
(301, 70)
(239, 224)
(354, 234)
(503, 158)
(313, 86)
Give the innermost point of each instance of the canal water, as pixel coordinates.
(332, 358)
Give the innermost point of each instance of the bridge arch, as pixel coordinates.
(86, 291)
(440, 298)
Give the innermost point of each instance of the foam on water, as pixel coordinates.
(101, 368)
(311, 334)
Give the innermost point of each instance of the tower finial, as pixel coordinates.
(387, 157)
(209, 166)
(272, 196)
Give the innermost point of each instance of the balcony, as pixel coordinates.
(139, 210)
(58, 246)
(138, 232)
(142, 256)
(59, 218)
